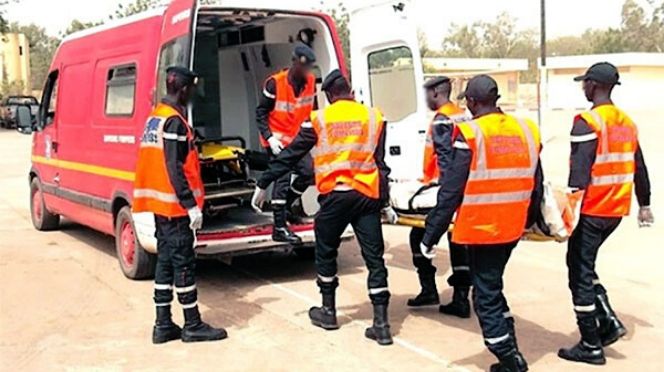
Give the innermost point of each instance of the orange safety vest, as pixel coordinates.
(290, 111)
(495, 205)
(456, 114)
(612, 177)
(348, 133)
(153, 191)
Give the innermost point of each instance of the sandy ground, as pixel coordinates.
(64, 304)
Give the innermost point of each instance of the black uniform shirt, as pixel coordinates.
(305, 140)
(267, 100)
(584, 149)
(441, 133)
(450, 194)
(176, 149)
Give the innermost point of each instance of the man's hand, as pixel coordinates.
(258, 199)
(390, 215)
(195, 218)
(645, 217)
(275, 145)
(428, 252)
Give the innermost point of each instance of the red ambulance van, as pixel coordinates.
(103, 83)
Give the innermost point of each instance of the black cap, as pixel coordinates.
(602, 72)
(331, 78)
(187, 76)
(481, 88)
(304, 54)
(436, 81)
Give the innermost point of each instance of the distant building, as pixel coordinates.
(15, 61)
(505, 71)
(641, 75)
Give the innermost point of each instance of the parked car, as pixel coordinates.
(104, 81)
(8, 109)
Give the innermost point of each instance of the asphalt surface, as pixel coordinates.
(65, 305)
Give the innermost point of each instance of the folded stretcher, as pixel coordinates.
(413, 200)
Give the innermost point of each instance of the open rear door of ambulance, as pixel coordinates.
(175, 50)
(387, 73)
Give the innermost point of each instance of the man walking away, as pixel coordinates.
(347, 140)
(606, 163)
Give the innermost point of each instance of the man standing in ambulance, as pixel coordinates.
(285, 103)
(437, 157)
(347, 141)
(494, 184)
(168, 183)
(606, 163)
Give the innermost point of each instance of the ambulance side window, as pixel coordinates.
(121, 90)
(174, 53)
(49, 100)
(392, 82)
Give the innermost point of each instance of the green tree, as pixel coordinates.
(498, 39)
(342, 19)
(77, 25)
(134, 7)
(4, 24)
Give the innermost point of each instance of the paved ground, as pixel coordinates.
(64, 304)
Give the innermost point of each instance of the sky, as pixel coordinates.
(565, 17)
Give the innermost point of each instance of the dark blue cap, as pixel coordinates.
(331, 78)
(187, 76)
(436, 81)
(304, 54)
(602, 72)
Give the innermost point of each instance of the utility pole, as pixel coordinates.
(542, 67)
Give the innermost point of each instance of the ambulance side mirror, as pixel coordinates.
(24, 119)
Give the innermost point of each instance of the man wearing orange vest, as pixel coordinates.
(494, 184)
(287, 101)
(347, 140)
(606, 163)
(168, 183)
(437, 157)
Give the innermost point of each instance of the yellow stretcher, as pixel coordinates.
(527, 235)
(559, 211)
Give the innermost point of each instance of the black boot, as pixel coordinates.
(589, 349)
(284, 235)
(294, 210)
(512, 363)
(281, 233)
(195, 330)
(582, 352)
(610, 328)
(380, 330)
(325, 316)
(460, 305)
(164, 329)
(429, 294)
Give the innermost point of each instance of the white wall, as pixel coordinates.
(640, 88)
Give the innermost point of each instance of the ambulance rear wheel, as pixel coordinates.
(42, 219)
(135, 262)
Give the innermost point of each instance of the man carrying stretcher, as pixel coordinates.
(437, 157)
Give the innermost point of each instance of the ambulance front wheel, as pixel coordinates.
(135, 262)
(42, 219)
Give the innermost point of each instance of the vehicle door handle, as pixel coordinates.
(54, 146)
(56, 179)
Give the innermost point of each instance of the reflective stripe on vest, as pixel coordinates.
(481, 172)
(347, 164)
(430, 171)
(289, 111)
(153, 191)
(612, 174)
(495, 204)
